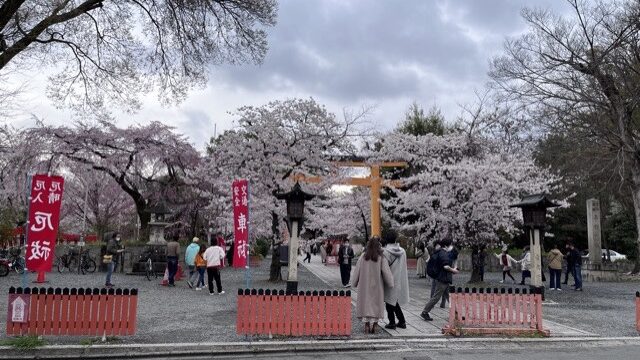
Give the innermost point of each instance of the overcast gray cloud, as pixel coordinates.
(346, 53)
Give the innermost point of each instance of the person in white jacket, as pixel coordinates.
(506, 262)
(214, 256)
(525, 262)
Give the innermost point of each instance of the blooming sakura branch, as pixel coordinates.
(240, 191)
(44, 216)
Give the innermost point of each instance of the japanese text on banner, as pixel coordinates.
(44, 216)
(240, 199)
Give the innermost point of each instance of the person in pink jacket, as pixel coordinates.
(214, 256)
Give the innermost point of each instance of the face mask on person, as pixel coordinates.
(118, 239)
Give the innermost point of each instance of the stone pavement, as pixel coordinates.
(419, 294)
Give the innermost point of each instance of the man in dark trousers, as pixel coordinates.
(570, 266)
(444, 266)
(173, 251)
(345, 254)
(576, 259)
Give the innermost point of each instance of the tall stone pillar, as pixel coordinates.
(594, 231)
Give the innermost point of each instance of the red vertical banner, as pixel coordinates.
(240, 193)
(44, 217)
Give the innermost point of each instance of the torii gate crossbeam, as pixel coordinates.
(373, 181)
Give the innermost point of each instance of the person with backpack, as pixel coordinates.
(201, 266)
(440, 269)
(506, 262)
(397, 295)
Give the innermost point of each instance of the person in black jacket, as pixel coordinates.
(570, 266)
(345, 254)
(576, 259)
(444, 278)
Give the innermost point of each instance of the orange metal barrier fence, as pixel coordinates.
(317, 313)
(495, 311)
(49, 311)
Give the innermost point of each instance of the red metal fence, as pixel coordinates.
(318, 313)
(49, 311)
(495, 311)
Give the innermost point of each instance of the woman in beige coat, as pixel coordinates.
(555, 268)
(371, 274)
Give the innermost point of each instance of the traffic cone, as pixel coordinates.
(40, 279)
(165, 279)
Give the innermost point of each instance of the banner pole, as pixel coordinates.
(247, 272)
(25, 276)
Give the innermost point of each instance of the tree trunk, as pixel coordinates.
(635, 189)
(274, 270)
(145, 218)
(477, 261)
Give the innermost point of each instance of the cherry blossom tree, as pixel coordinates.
(462, 187)
(106, 201)
(148, 162)
(341, 213)
(112, 52)
(271, 144)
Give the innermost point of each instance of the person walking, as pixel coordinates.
(369, 277)
(525, 263)
(307, 250)
(422, 256)
(452, 251)
(214, 256)
(440, 270)
(189, 260)
(576, 259)
(396, 295)
(506, 261)
(345, 255)
(201, 266)
(555, 268)
(222, 244)
(173, 250)
(323, 252)
(569, 264)
(111, 255)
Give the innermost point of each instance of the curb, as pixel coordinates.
(141, 351)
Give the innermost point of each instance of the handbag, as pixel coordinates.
(107, 259)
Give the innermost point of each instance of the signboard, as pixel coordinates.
(44, 216)
(18, 310)
(240, 194)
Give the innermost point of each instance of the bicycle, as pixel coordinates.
(148, 270)
(15, 259)
(87, 264)
(67, 262)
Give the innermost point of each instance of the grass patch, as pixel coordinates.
(24, 342)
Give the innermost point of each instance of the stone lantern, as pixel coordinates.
(157, 224)
(295, 214)
(534, 214)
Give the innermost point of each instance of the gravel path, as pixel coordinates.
(179, 314)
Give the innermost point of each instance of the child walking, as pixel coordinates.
(201, 266)
(506, 260)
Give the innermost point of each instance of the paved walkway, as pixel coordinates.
(419, 293)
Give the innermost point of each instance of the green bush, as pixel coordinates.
(24, 342)
(261, 247)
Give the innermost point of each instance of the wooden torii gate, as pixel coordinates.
(374, 182)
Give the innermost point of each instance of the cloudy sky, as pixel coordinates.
(346, 54)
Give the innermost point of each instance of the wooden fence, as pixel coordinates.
(317, 313)
(495, 311)
(49, 311)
